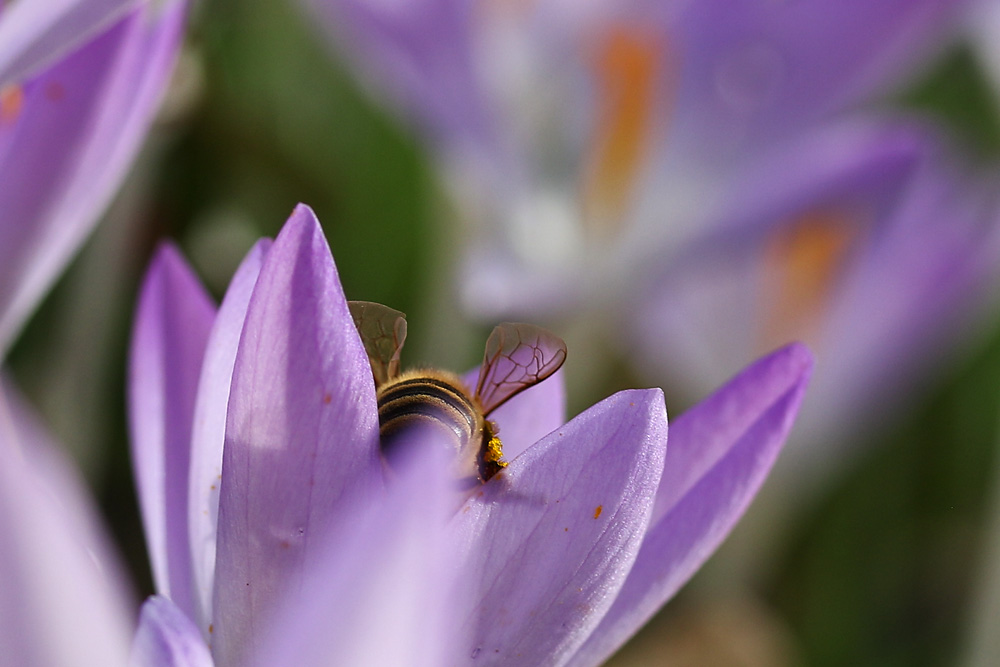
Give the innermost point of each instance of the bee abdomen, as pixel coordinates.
(425, 403)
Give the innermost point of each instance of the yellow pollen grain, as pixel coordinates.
(11, 103)
(627, 67)
(494, 452)
(597, 512)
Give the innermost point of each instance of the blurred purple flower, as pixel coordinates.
(79, 84)
(275, 536)
(577, 134)
(697, 149)
(64, 598)
(863, 240)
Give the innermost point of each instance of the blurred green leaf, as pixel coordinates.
(881, 571)
(957, 91)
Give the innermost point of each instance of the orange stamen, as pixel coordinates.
(805, 259)
(627, 68)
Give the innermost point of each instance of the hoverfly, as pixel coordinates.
(517, 356)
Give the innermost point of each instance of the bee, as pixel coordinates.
(517, 356)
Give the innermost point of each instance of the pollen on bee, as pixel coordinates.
(491, 461)
(494, 452)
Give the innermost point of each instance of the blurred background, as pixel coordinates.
(888, 556)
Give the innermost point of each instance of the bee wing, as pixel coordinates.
(517, 357)
(383, 331)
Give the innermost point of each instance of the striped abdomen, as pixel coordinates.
(428, 403)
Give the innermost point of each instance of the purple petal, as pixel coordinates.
(80, 124)
(209, 432)
(172, 324)
(926, 275)
(755, 71)
(382, 592)
(551, 538)
(694, 315)
(33, 34)
(302, 433)
(529, 416)
(167, 638)
(63, 599)
(909, 250)
(705, 434)
(743, 432)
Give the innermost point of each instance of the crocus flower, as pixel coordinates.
(277, 535)
(576, 135)
(79, 84)
(599, 146)
(866, 241)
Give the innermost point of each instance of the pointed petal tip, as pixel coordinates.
(653, 400)
(799, 357)
(793, 362)
(169, 266)
(165, 255)
(169, 263)
(302, 218)
(302, 230)
(260, 248)
(801, 363)
(650, 402)
(303, 209)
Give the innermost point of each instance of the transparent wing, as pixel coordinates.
(383, 331)
(517, 357)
